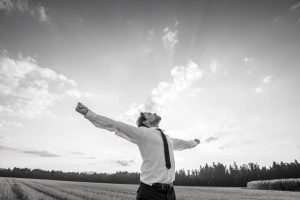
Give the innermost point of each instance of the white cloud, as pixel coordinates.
(27, 90)
(170, 38)
(250, 65)
(295, 6)
(125, 163)
(210, 139)
(227, 125)
(145, 51)
(42, 153)
(256, 118)
(7, 148)
(214, 66)
(87, 94)
(132, 113)
(150, 35)
(196, 91)
(248, 59)
(224, 131)
(258, 90)
(64, 79)
(74, 93)
(24, 7)
(267, 79)
(21, 6)
(183, 77)
(7, 123)
(42, 16)
(6, 5)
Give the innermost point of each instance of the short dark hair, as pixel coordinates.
(141, 119)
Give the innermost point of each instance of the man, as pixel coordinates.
(156, 148)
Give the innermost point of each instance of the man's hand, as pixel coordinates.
(82, 109)
(197, 140)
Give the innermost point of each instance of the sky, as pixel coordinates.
(226, 72)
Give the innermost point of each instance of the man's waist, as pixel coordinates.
(160, 186)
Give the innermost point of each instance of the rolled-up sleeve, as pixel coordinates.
(179, 144)
(126, 131)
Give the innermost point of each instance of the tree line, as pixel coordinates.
(236, 176)
(214, 175)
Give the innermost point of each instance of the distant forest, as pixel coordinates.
(215, 175)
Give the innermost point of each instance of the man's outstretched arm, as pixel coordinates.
(126, 131)
(179, 144)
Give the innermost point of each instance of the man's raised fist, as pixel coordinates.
(197, 140)
(82, 109)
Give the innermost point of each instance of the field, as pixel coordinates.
(33, 189)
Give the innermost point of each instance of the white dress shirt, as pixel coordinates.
(150, 143)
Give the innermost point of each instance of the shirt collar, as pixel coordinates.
(154, 128)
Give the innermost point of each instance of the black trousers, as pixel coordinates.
(146, 192)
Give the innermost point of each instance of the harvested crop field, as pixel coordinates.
(34, 189)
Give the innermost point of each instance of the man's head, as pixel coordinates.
(148, 119)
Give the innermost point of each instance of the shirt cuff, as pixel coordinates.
(194, 143)
(90, 115)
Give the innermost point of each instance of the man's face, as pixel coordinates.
(152, 118)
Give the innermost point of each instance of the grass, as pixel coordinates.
(34, 189)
